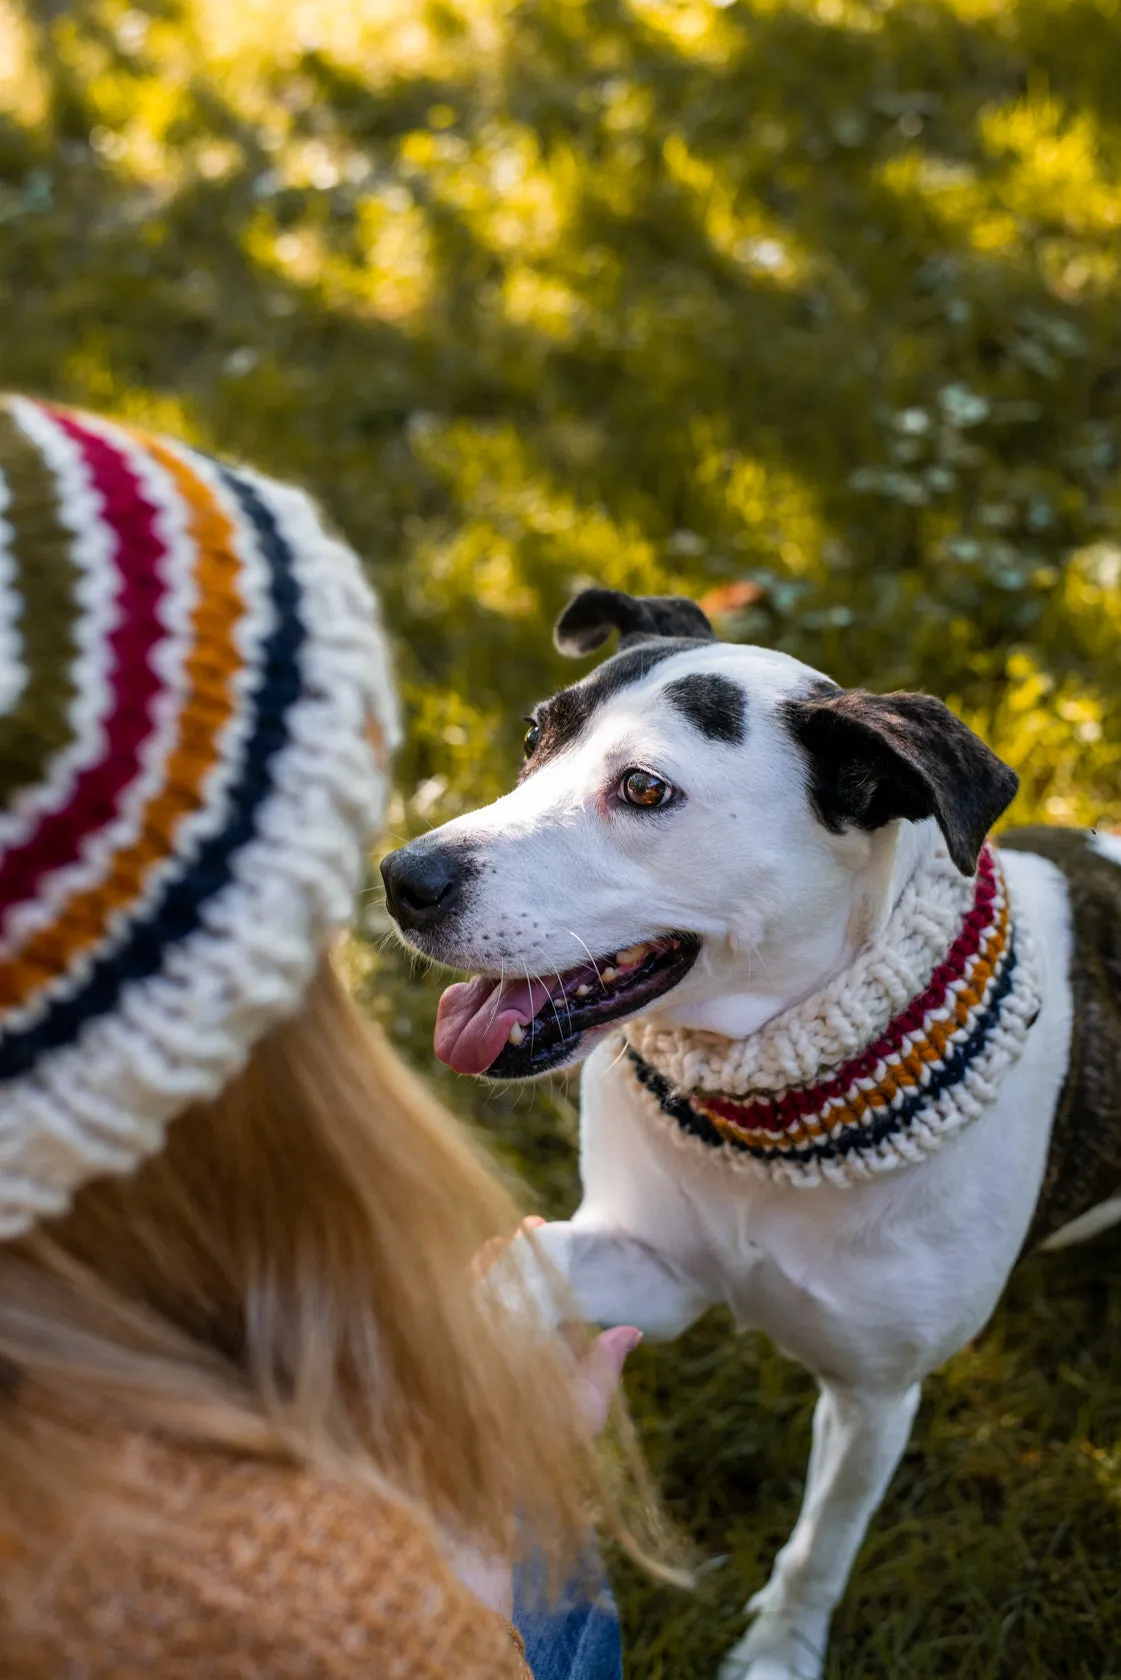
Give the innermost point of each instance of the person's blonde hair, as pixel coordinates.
(290, 1276)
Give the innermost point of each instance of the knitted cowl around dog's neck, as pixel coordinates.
(880, 1066)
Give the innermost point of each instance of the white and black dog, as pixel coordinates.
(845, 1061)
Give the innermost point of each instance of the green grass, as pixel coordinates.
(669, 295)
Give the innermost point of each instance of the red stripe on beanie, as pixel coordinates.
(95, 800)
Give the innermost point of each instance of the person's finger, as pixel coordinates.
(491, 1249)
(600, 1373)
(486, 1256)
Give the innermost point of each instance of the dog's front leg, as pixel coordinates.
(858, 1438)
(603, 1276)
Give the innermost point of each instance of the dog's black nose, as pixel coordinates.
(422, 884)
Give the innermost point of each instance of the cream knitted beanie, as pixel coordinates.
(192, 681)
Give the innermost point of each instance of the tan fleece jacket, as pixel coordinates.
(280, 1578)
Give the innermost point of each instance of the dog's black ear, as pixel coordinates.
(876, 757)
(590, 617)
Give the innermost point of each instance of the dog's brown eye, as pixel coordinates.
(639, 787)
(532, 736)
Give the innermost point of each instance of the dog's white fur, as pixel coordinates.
(871, 1287)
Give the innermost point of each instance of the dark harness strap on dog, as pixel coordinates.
(1084, 1159)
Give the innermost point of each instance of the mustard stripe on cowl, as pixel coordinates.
(882, 1066)
(194, 685)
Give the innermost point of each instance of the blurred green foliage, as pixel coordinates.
(821, 297)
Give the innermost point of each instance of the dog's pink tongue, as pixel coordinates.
(475, 1016)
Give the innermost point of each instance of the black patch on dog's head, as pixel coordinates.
(563, 718)
(878, 757)
(713, 704)
(590, 617)
(652, 628)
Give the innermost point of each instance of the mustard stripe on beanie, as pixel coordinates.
(189, 670)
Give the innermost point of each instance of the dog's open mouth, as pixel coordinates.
(514, 1029)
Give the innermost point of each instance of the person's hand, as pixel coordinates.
(599, 1373)
(596, 1380)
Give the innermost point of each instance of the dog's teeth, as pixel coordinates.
(582, 991)
(517, 1033)
(632, 955)
(608, 975)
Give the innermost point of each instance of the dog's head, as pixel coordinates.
(690, 814)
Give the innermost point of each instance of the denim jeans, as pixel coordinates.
(578, 1639)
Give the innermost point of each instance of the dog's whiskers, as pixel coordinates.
(498, 990)
(552, 1000)
(529, 987)
(574, 935)
(565, 999)
(619, 1057)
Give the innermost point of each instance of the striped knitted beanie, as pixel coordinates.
(193, 682)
